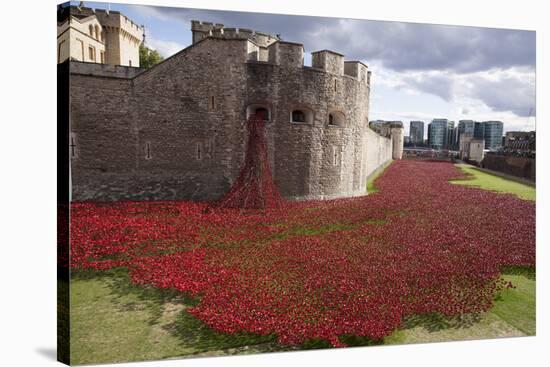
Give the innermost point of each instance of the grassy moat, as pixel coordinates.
(115, 320)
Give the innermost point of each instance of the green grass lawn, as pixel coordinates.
(491, 182)
(114, 321)
(513, 314)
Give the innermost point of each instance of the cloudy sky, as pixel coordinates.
(419, 71)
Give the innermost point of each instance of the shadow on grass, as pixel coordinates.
(192, 331)
(434, 322)
(526, 271)
(195, 334)
(151, 298)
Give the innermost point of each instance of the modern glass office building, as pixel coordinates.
(465, 127)
(451, 135)
(416, 132)
(437, 133)
(492, 133)
(479, 130)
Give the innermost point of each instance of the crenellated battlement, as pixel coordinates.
(289, 54)
(318, 139)
(330, 61)
(265, 47)
(202, 30)
(358, 70)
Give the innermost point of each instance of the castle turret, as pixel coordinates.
(98, 36)
(397, 132)
(202, 30)
(330, 61)
(357, 70)
(286, 53)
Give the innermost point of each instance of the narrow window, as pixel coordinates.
(97, 32)
(72, 147)
(212, 103)
(298, 116)
(130, 62)
(148, 150)
(102, 36)
(263, 113)
(330, 119)
(82, 49)
(334, 155)
(335, 86)
(199, 151)
(91, 30)
(102, 56)
(91, 53)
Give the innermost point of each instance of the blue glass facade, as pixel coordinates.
(437, 133)
(492, 134)
(416, 132)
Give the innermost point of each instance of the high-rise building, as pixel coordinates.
(465, 127)
(437, 133)
(478, 130)
(416, 132)
(451, 135)
(492, 134)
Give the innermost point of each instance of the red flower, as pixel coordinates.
(320, 269)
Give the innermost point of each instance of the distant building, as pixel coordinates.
(476, 150)
(479, 130)
(520, 140)
(471, 148)
(452, 134)
(463, 141)
(492, 134)
(465, 127)
(377, 125)
(98, 36)
(438, 133)
(416, 132)
(394, 130)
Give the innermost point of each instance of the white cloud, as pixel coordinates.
(164, 48)
(477, 73)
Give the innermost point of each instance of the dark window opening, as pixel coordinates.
(199, 151)
(298, 116)
(263, 113)
(336, 118)
(73, 146)
(148, 150)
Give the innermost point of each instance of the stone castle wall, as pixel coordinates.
(522, 167)
(178, 130)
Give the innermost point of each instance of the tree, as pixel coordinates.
(148, 57)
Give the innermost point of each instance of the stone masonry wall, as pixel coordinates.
(178, 130)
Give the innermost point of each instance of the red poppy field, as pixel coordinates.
(320, 270)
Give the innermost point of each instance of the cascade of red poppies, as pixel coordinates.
(254, 187)
(320, 270)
